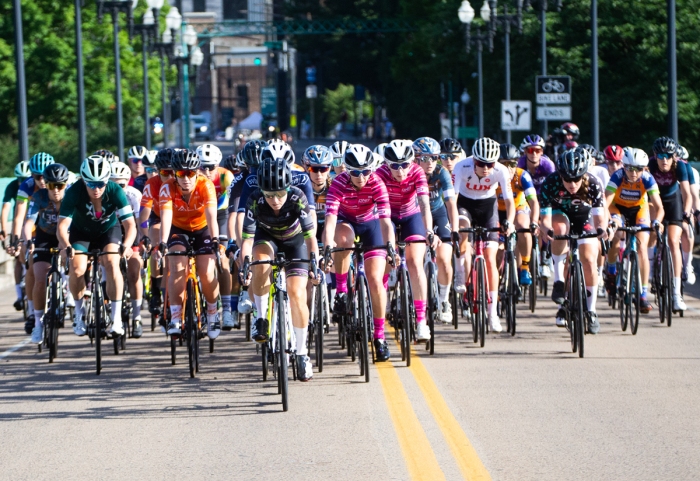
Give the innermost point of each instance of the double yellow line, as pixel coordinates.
(415, 447)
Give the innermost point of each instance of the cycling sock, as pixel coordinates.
(176, 313)
(677, 286)
(526, 263)
(460, 267)
(30, 307)
(420, 311)
(212, 308)
(645, 291)
(558, 266)
(493, 304)
(341, 283)
(688, 259)
(226, 303)
(78, 312)
(591, 297)
(612, 269)
(261, 304)
(18, 290)
(116, 314)
(379, 328)
(442, 293)
(385, 281)
(38, 314)
(301, 334)
(136, 307)
(600, 272)
(233, 307)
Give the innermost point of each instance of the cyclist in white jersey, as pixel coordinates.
(476, 180)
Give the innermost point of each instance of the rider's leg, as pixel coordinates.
(687, 243)
(344, 237)
(157, 289)
(444, 270)
(260, 285)
(176, 283)
(19, 272)
(464, 257)
(133, 272)
(374, 270)
(560, 226)
(415, 255)
(29, 285)
(206, 271)
(588, 250)
(643, 256)
(41, 271)
(76, 282)
(296, 290)
(115, 283)
(492, 278)
(674, 236)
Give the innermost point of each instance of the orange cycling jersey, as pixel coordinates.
(188, 215)
(149, 198)
(222, 184)
(631, 194)
(523, 188)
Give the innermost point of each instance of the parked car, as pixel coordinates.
(202, 127)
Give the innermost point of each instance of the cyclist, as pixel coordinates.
(338, 152)
(572, 202)
(450, 153)
(613, 158)
(443, 208)
(149, 220)
(136, 160)
(476, 180)
(629, 195)
(538, 165)
(409, 201)
(107, 155)
(357, 204)
(22, 173)
(527, 207)
(188, 216)
(672, 179)
(234, 164)
(121, 174)
(93, 208)
(278, 220)
(688, 238)
(318, 160)
(26, 190)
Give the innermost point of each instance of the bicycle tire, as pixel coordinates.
(578, 306)
(173, 350)
(189, 325)
(534, 274)
(471, 303)
(635, 291)
(363, 296)
(623, 297)
(51, 321)
(432, 308)
(454, 304)
(283, 375)
(98, 311)
(265, 360)
(512, 297)
(668, 284)
(321, 314)
(482, 299)
(405, 317)
(247, 326)
(571, 325)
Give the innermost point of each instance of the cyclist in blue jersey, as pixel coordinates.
(22, 173)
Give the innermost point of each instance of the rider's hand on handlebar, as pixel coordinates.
(550, 235)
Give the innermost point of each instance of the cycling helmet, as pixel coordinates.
(209, 155)
(185, 159)
(56, 173)
(95, 169)
(105, 154)
(533, 140)
(613, 153)
(22, 170)
(39, 162)
(317, 155)
(570, 128)
(120, 171)
(665, 145)
(399, 151)
(509, 152)
(137, 152)
(274, 174)
(486, 150)
(359, 157)
(573, 163)
(278, 149)
(251, 152)
(240, 161)
(379, 149)
(570, 144)
(164, 159)
(683, 153)
(338, 149)
(426, 145)
(450, 146)
(231, 162)
(635, 157)
(150, 158)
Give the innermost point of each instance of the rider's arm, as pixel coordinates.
(4, 214)
(656, 207)
(27, 228)
(452, 213)
(687, 197)
(510, 210)
(166, 222)
(129, 225)
(424, 204)
(534, 209)
(20, 213)
(387, 230)
(329, 229)
(504, 182)
(210, 214)
(62, 231)
(144, 214)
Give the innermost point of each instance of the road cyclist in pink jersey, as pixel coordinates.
(357, 204)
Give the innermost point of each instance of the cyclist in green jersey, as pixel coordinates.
(22, 173)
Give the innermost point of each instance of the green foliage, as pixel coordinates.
(342, 99)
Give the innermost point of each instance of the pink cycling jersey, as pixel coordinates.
(403, 195)
(346, 201)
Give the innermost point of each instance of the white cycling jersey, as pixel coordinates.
(601, 173)
(469, 185)
(134, 197)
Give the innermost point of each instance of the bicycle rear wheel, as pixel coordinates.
(190, 326)
(512, 289)
(283, 375)
(319, 324)
(534, 274)
(634, 292)
(363, 302)
(433, 310)
(405, 318)
(623, 294)
(667, 280)
(578, 306)
(51, 321)
(454, 296)
(481, 300)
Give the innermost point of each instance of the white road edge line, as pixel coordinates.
(16, 347)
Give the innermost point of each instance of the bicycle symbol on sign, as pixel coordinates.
(553, 85)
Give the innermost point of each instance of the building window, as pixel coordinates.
(200, 5)
(235, 9)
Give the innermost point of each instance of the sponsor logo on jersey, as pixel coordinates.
(252, 181)
(478, 187)
(364, 200)
(628, 194)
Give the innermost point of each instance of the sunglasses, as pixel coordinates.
(135, 160)
(448, 156)
(632, 168)
(664, 156)
(55, 186)
(151, 170)
(274, 194)
(358, 173)
(319, 169)
(181, 174)
(95, 185)
(483, 165)
(121, 185)
(428, 158)
(534, 150)
(208, 168)
(398, 165)
(165, 172)
(512, 164)
(38, 177)
(573, 181)
(337, 162)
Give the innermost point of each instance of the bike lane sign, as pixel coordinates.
(553, 89)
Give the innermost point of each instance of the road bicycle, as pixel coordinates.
(432, 313)
(534, 268)
(628, 282)
(319, 320)
(55, 313)
(509, 289)
(662, 280)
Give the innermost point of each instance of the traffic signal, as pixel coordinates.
(242, 94)
(311, 75)
(257, 62)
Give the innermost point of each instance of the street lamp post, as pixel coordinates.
(189, 40)
(173, 21)
(672, 74)
(594, 75)
(82, 136)
(149, 30)
(164, 49)
(21, 85)
(114, 8)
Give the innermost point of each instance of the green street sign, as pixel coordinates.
(273, 45)
(468, 132)
(268, 100)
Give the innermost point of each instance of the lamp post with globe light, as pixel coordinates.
(165, 50)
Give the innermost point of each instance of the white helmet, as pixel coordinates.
(486, 150)
(137, 152)
(338, 149)
(209, 155)
(399, 151)
(95, 169)
(120, 171)
(634, 157)
(359, 157)
(150, 159)
(278, 149)
(379, 149)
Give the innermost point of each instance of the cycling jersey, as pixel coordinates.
(545, 168)
(26, 190)
(403, 195)
(291, 220)
(320, 203)
(299, 179)
(11, 191)
(555, 196)
(368, 203)
(668, 182)
(222, 184)
(43, 212)
(469, 185)
(149, 198)
(601, 173)
(134, 198)
(139, 182)
(188, 215)
(631, 194)
(523, 190)
(78, 206)
(440, 187)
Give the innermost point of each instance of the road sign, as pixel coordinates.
(468, 132)
(268, 100)
(311, 91)
(553, 89)
(561, 112)
(516, 114)
(311, 75)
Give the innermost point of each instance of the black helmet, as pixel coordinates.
(509, 152)
(450, 146)
(185, 159)
(665, 145)
(274, 174)
(231, 163)
(106, 154)
(592, 151)
(252, 151)
(571, 128)
(164, 159)
(573, 163)
(56, 173)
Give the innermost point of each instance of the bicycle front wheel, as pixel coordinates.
(282, 375)
(433, 310)
(191, 325)
(363, 301)
(667, 281)
(98, 317)
(52, 320)
(634, 292)
(578, 303)
(319, 324)
(481, 300)
(405, 318)
(534, 274)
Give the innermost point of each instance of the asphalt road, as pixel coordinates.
(522, 408)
